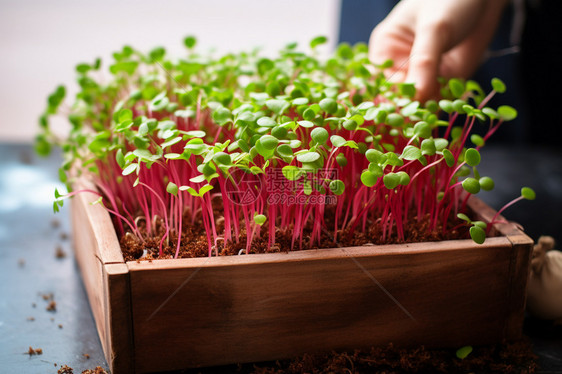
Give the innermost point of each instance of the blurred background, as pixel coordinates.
(42, 41)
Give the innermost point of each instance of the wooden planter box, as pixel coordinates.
(174, 314)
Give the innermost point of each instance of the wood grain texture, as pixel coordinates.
(105, 278)
(281, 307)
(107, 247)
(118, 319)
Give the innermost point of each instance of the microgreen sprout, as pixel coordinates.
(261, 143)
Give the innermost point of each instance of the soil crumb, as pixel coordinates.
(63, 236)
(31, 319)
(96, 370)
(52, 306)
(60, 253)
(87, 356)
(34, 351)
(55, 223)
(65, 369)
(21, 262)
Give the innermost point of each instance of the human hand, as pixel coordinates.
(432, 38)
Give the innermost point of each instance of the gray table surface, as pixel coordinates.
(30, 234)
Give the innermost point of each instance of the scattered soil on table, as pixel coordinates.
(52, 306)
(31, 319)
(34, 351)
(60, 253)
(21, 262)
(65, 369)
(87, 356)
(63, 236)
(194, 239)
(55, 223)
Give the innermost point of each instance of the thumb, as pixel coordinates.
(425, 57)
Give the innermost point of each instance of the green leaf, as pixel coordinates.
(269, 142)
(472, 157)
(308, 157)
(329, 106)
(374, 155)
(471, 185)
(507, 113)
(337, 187)
(478, 234)
(206, 188)
(305, 124)
(463, 352)
(284, 150)
(259, 219)
(292, 173)
(422, 129)
(394, 120)
(222, 158)
(528, 193)
(172, 188)
(391, 180)
(350, 125)
(125, 115)
(277, 106)
(221, 116)
(337, 141)
(477, 140)
(319, 135)
(463, 216)
(341, 160)
(449, 158)
(130, 169)
(446, 105)
(318, 41)
(457, 87)
(190, 42)
(498, 85)
(369, 178)
(486, 183)
(404, 178)
(411, 152)
(428, 147)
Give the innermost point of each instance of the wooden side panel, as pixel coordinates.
(224, 310)
(91, 268)
(106, 244)
(118, 320)
(105, 278)
(519, 267)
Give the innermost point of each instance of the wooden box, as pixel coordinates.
(174, 314)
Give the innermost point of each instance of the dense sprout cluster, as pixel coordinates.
(278, 142)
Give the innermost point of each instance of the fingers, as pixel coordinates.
(425, 58)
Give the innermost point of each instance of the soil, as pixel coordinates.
(34, 351)
(194, 239)
(515, 358)
(65, 369)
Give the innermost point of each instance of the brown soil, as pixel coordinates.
(502, 358)
(65, 369)
(194, 239)
(34, 351)
(60, 253)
